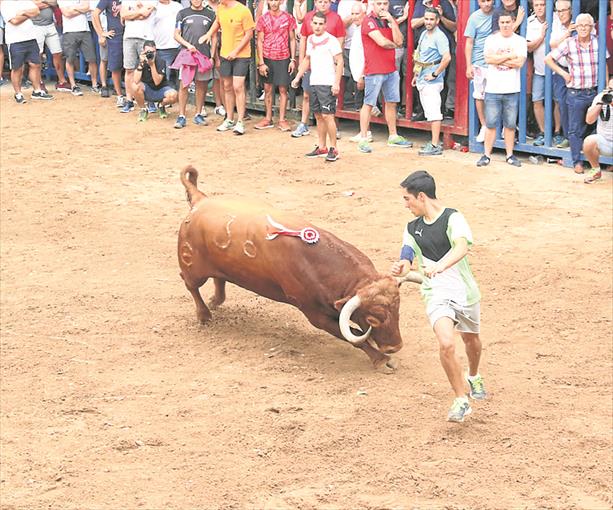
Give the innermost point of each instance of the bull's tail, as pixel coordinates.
(189, 179)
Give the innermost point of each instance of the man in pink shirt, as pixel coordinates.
(276, 47)
(335, 27)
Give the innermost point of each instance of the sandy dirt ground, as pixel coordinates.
(114, 397)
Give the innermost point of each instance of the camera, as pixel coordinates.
(607, 97)
(149, 54)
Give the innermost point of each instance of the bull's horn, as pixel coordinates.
(411, 276)
(343, 321)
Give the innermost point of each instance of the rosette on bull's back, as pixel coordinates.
(283, 257)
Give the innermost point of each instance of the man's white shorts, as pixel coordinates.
(430, 97)
(466, 318)
(48, 35)
(479, 81)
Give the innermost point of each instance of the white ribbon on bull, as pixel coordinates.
(308, 235)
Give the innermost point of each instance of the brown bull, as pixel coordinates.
(330, 281)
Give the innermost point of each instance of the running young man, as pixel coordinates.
(324, 57)
(439, 238)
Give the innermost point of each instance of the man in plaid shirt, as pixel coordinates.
(276, 46)
(581, 52)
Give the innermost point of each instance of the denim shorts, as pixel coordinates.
(389, 83)
(538, 88)
(503, 106)
(156, 95)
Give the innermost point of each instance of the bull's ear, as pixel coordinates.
(373, 321)
(341, 302)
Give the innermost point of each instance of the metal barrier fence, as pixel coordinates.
(522, 145)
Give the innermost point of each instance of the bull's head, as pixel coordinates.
(375, 308)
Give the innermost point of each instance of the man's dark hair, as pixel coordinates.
(509, 14)
(319, 14)
(432, 10)
(420, 181)
(149, 43)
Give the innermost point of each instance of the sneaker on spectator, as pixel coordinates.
(128, 106)
(301, 130)
(199, 120)
(513, 161)
(539, 141)
(283, 125)
(431, 150)
(593, 175)
(2, 81)
(19, 98)
(317, 152)
(192, 88)
(220, 110)
(76, 91)
(203, 112)
(181, 122)
(26, 84)
(460, 409)
(104, 92)
(142, 115)
(121, 100)
(364, 147)
(151, 107)
(376, 112)
(483, 160)
(162, 111)
(358, 138)
(264, 124)
(226, 125)
(477, 388)
(96, 89)
(557, 139)
(43, 87)
(262, 96)
(399, 141)
(332, 155)
(41, 94)
(563, 143)
(247, 116)
(239, 128)
(481, 135)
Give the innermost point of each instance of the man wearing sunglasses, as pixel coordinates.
(581, 52)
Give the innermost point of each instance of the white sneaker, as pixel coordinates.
(220, 110)
(376, 112)
(203, 112)
(120, 101)
(481, 136)
(357, 138)
(262, 96)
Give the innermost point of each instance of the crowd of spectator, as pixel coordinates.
(158, 51)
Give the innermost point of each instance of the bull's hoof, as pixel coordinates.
(389, 365)
(214, 303)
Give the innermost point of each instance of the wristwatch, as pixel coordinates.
(434, 75)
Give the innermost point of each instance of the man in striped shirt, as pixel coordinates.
(581, 52)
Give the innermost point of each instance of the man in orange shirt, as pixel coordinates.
(237, 25)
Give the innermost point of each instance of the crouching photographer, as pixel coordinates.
(600, 144)
(150, 83)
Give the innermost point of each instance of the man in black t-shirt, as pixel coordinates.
(150, 83)
(193, 23)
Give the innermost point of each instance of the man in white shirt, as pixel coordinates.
(20, 35)
(505, 53)
(137, 16)
(324, 57)
(164, 22)
(78, 38)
